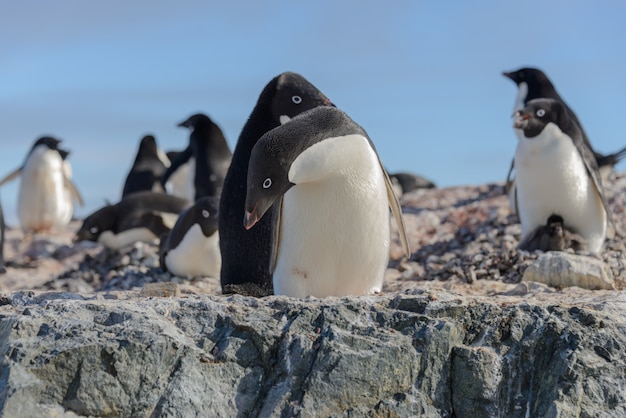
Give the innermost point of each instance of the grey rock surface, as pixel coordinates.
(561, 269)
(421, 353)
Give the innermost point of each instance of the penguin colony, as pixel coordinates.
(302, 205)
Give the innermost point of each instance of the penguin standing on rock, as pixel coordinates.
(557, 175)
(148, 168)
(191, 249)
(332, 234)
(246, 253)
(46, 194)
(533, 83)
(209, 150)
(140, 216)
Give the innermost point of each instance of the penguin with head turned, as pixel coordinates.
(533, 83)
(210, 153)
(148, 168)
(557, 174)
(46, 194)
(332, 233)
(246, 253)
(140, 216)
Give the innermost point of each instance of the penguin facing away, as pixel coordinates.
(2, 227)
(140, 216)
(246, 254)
(191, 249)
(46, 193)
(148, 168)
(332, 234)
(557, 174)
(211, 155)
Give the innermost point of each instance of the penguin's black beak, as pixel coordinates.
(184, 124)
(508, 75)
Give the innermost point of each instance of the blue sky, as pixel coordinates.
(422, 77)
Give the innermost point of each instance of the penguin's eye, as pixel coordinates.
(205, 213)
(296, 99)
(267, 183)
(93, 229)
(540, 113)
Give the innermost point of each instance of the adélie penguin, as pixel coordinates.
(246, 254)
(332, 233)
(191, 248)
(148, 168)
(554, 236)
(46, 193)
(557, 174)
(180, 182)
(532, 83)
(2, 227)
(211, 155)
(141, 216)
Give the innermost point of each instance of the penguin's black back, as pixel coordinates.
(147, 168)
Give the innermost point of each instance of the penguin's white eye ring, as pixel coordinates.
(267, 183)
(93, 229)
(205, 213)
(296, 99)
(540, 113)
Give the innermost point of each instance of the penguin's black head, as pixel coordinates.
(195, 120)
(294, 94)
(103, 219)
(48, 141)
(268, 178)
(206, 209)
(148, 142)
(531, 76)
(538, 113)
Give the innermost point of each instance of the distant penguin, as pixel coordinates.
(407, 182)
(192, 249)
(332, 235)
(246, 254)
(533, 83)
(46, 194)
(557, 174)
(211, 153)
(140, 216)
(148, 168)
(554, 236)
(2, 227)
(180, 182)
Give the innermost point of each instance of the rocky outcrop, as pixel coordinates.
(419, 353)
(561, 269)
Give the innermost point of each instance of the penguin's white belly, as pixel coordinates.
(196, 255)
(43, 200)
(551, 178)
(334, 233)
(180, 182)
(125, 238)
